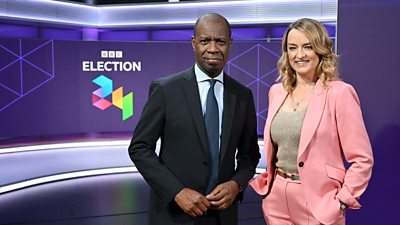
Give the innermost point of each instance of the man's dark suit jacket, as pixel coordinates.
(173, 113)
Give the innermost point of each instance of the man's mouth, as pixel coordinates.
(213, 59)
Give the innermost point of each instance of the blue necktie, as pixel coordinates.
(211, 119)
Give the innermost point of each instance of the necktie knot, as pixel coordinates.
(212, 82)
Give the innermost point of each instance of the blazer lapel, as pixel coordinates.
(191, 91)
(228, 114)
(277, 100)
(313, 116)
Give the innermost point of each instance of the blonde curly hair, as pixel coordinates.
(321, 44)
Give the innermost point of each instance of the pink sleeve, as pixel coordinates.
(355, 145)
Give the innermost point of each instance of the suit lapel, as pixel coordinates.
(191, 91)
(228, 114)
(313, 116)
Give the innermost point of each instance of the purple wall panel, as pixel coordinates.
(61, 34)
(18, 31)
(250, 33)
(368, 43)
(110, 35)
(90, 34)
(176, 35)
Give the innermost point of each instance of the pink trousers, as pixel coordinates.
(287, 205)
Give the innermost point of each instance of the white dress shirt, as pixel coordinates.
(204, 86)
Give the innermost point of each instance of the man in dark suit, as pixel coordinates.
(205, 120)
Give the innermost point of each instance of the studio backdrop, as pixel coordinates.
(52, 87)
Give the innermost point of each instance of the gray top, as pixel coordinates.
(285, 134)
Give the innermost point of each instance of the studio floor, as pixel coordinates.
(80, 180)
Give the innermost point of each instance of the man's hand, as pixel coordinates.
(192, 202)
(223, 195)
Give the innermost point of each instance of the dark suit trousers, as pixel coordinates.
(211, 218)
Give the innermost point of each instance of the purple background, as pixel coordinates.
(368, 43)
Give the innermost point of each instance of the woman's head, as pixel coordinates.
(306, 50)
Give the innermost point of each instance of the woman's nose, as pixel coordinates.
(300, 53)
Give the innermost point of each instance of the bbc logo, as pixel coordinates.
(111, 54)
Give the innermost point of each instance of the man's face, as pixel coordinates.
(211, 45)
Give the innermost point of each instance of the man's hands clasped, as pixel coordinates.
(195, 204)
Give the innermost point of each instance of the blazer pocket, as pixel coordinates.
(335, 173)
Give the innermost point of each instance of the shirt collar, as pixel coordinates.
(201, 76)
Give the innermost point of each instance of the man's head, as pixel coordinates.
(211, 43)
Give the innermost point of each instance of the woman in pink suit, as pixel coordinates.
(314, 122)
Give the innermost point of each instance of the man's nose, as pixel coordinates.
(213, 47)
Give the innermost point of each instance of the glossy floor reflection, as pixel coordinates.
(118, 199)
(107, 198)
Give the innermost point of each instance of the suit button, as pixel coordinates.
(205, 163)
(301, 164)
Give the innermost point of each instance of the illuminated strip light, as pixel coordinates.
(231, 21)
(60, 3)
(66, 176)
(79, 174)
(74, 145)
(103, 16)
(64, 145)
(260, 170)
(74, 175)
(187, 13)
(50, 11)
(208, 4)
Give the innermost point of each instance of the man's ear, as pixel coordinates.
(193, 42)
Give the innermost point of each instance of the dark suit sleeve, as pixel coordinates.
(248, 152)
(143, 144)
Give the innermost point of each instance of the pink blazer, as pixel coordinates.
(333, 127)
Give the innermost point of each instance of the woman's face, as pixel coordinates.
(302, 57)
